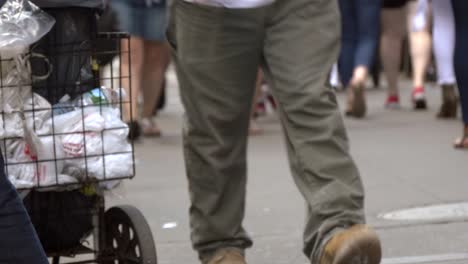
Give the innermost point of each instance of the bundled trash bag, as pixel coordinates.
(69, 49)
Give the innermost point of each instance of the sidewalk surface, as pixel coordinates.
(406, 159)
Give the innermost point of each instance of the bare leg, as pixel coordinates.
(154, 68)
(393, 32)
(136, 60)
(420, 46)
(155, 64)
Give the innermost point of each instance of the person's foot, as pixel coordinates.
(254, 128)
(356, 102)
(227, 256)
(449, 106)
(149, 127)
(461, 143)
(356, 245)
(418, 97)
(134, 130)
(260, 109)
(393, 102)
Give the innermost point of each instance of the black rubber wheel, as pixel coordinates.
(128, 237)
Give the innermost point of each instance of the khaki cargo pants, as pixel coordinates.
(217, 52)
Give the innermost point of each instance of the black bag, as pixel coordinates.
(69, 49)
(107, 46)
(61, 219)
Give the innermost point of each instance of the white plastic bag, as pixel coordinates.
(38, 165)
(21, 24)
(95, 142)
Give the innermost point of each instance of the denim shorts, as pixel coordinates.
(142, 20)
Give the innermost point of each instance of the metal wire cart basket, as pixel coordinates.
(63, 138)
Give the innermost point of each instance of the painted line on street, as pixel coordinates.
(426, 259)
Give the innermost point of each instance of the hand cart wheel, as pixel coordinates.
(128, 237)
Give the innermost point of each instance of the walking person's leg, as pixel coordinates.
(444, 48)
(301, 46)
(360, 27)
(131, 81)
(368, 22)
(393, 32)
(460, 8)
(217, 54)
(420, 49)
(346, 61)
(349, 41)
(155, 62)
(18, 240)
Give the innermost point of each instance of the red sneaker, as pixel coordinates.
(393, 102)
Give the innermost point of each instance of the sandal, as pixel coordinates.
(462, 143)
(149, 127)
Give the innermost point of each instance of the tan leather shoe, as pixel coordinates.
(228, 256)
(356, 245)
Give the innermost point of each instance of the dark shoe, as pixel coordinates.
(419, 98)
(449, 106)
(356, 245)
(134, 132)
(227, 256)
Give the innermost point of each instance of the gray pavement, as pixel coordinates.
(406, 159)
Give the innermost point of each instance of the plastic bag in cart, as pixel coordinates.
(95, 141)
(21, 24)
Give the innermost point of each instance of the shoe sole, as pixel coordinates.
(448, 110)
(363, 249)
(420, 105)
(359, 107)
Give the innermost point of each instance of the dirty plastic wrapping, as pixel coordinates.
(84, 142)
(49, 142)
(21, 24)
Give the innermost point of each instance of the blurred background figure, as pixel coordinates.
(146, 21)
(460, 10)
(443, 36)
(393, 31)
(360, 32)
(420, 48)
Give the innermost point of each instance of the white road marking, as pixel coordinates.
(426, 259)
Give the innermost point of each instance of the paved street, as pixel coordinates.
(406, 159)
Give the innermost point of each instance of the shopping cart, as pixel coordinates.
(65, 144)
